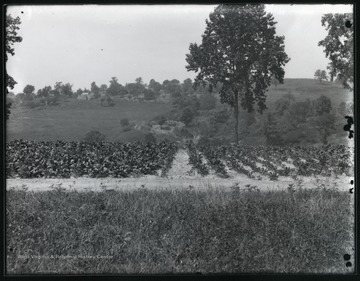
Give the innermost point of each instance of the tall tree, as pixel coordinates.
(139, 80)
(187, 87)
(137, 88)
(239, 49)
(95, 89)
(78, 92)
(103, 88)
(29, 90)
(339, 46)
(12, 26)
(172, 88)
(155, 87)
(320, 75)
(44, 92)
(57, 87)
(115, 88)
(66, 90)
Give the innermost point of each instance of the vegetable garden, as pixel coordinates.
(272, 161)
(65, 159)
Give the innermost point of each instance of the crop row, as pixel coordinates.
(272, 161)
(196, 160)
(63, 159)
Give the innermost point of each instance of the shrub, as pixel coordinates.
(125, 124)
(94, 136)
(110, 101)
(187, 116)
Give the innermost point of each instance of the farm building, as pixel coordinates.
(84, 96)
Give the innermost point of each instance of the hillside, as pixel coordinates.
(72, 119)
(303, 89)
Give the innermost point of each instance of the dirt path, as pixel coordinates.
(180, 176)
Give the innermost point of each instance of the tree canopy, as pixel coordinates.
(29, 89)
(320, 75)
(12, 26)
(115, 88)
(241, 50)
(339, 46)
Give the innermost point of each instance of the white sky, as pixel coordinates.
(82, 44)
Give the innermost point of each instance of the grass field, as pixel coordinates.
(183, 231)
(75, 118)
(303, 89)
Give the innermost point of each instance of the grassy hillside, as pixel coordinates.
(303, 89)
(73, 119)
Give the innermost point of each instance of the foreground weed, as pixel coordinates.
(147, 231)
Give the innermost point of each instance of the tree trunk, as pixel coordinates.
(236, 113)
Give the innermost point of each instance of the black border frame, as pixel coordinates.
(273, 276)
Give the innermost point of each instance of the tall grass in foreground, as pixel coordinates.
(183, 231)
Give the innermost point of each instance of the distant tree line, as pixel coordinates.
(182, 95)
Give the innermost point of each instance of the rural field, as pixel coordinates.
(180, 139)
(74, 118)
(188, 209)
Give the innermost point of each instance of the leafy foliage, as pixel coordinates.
(196, 159)
(283, 104)
(95, 89)
(29, 89)
(11, 37)
(149, 94)
(125, 123)
(339, 46)
(272, 161)
(12, 26)
(187, 116)
(94, 136)
(62, 159)
(323, 105)
(320, 75)
(115, 88)
(239, 49)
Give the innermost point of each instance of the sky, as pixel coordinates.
(92, 43)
